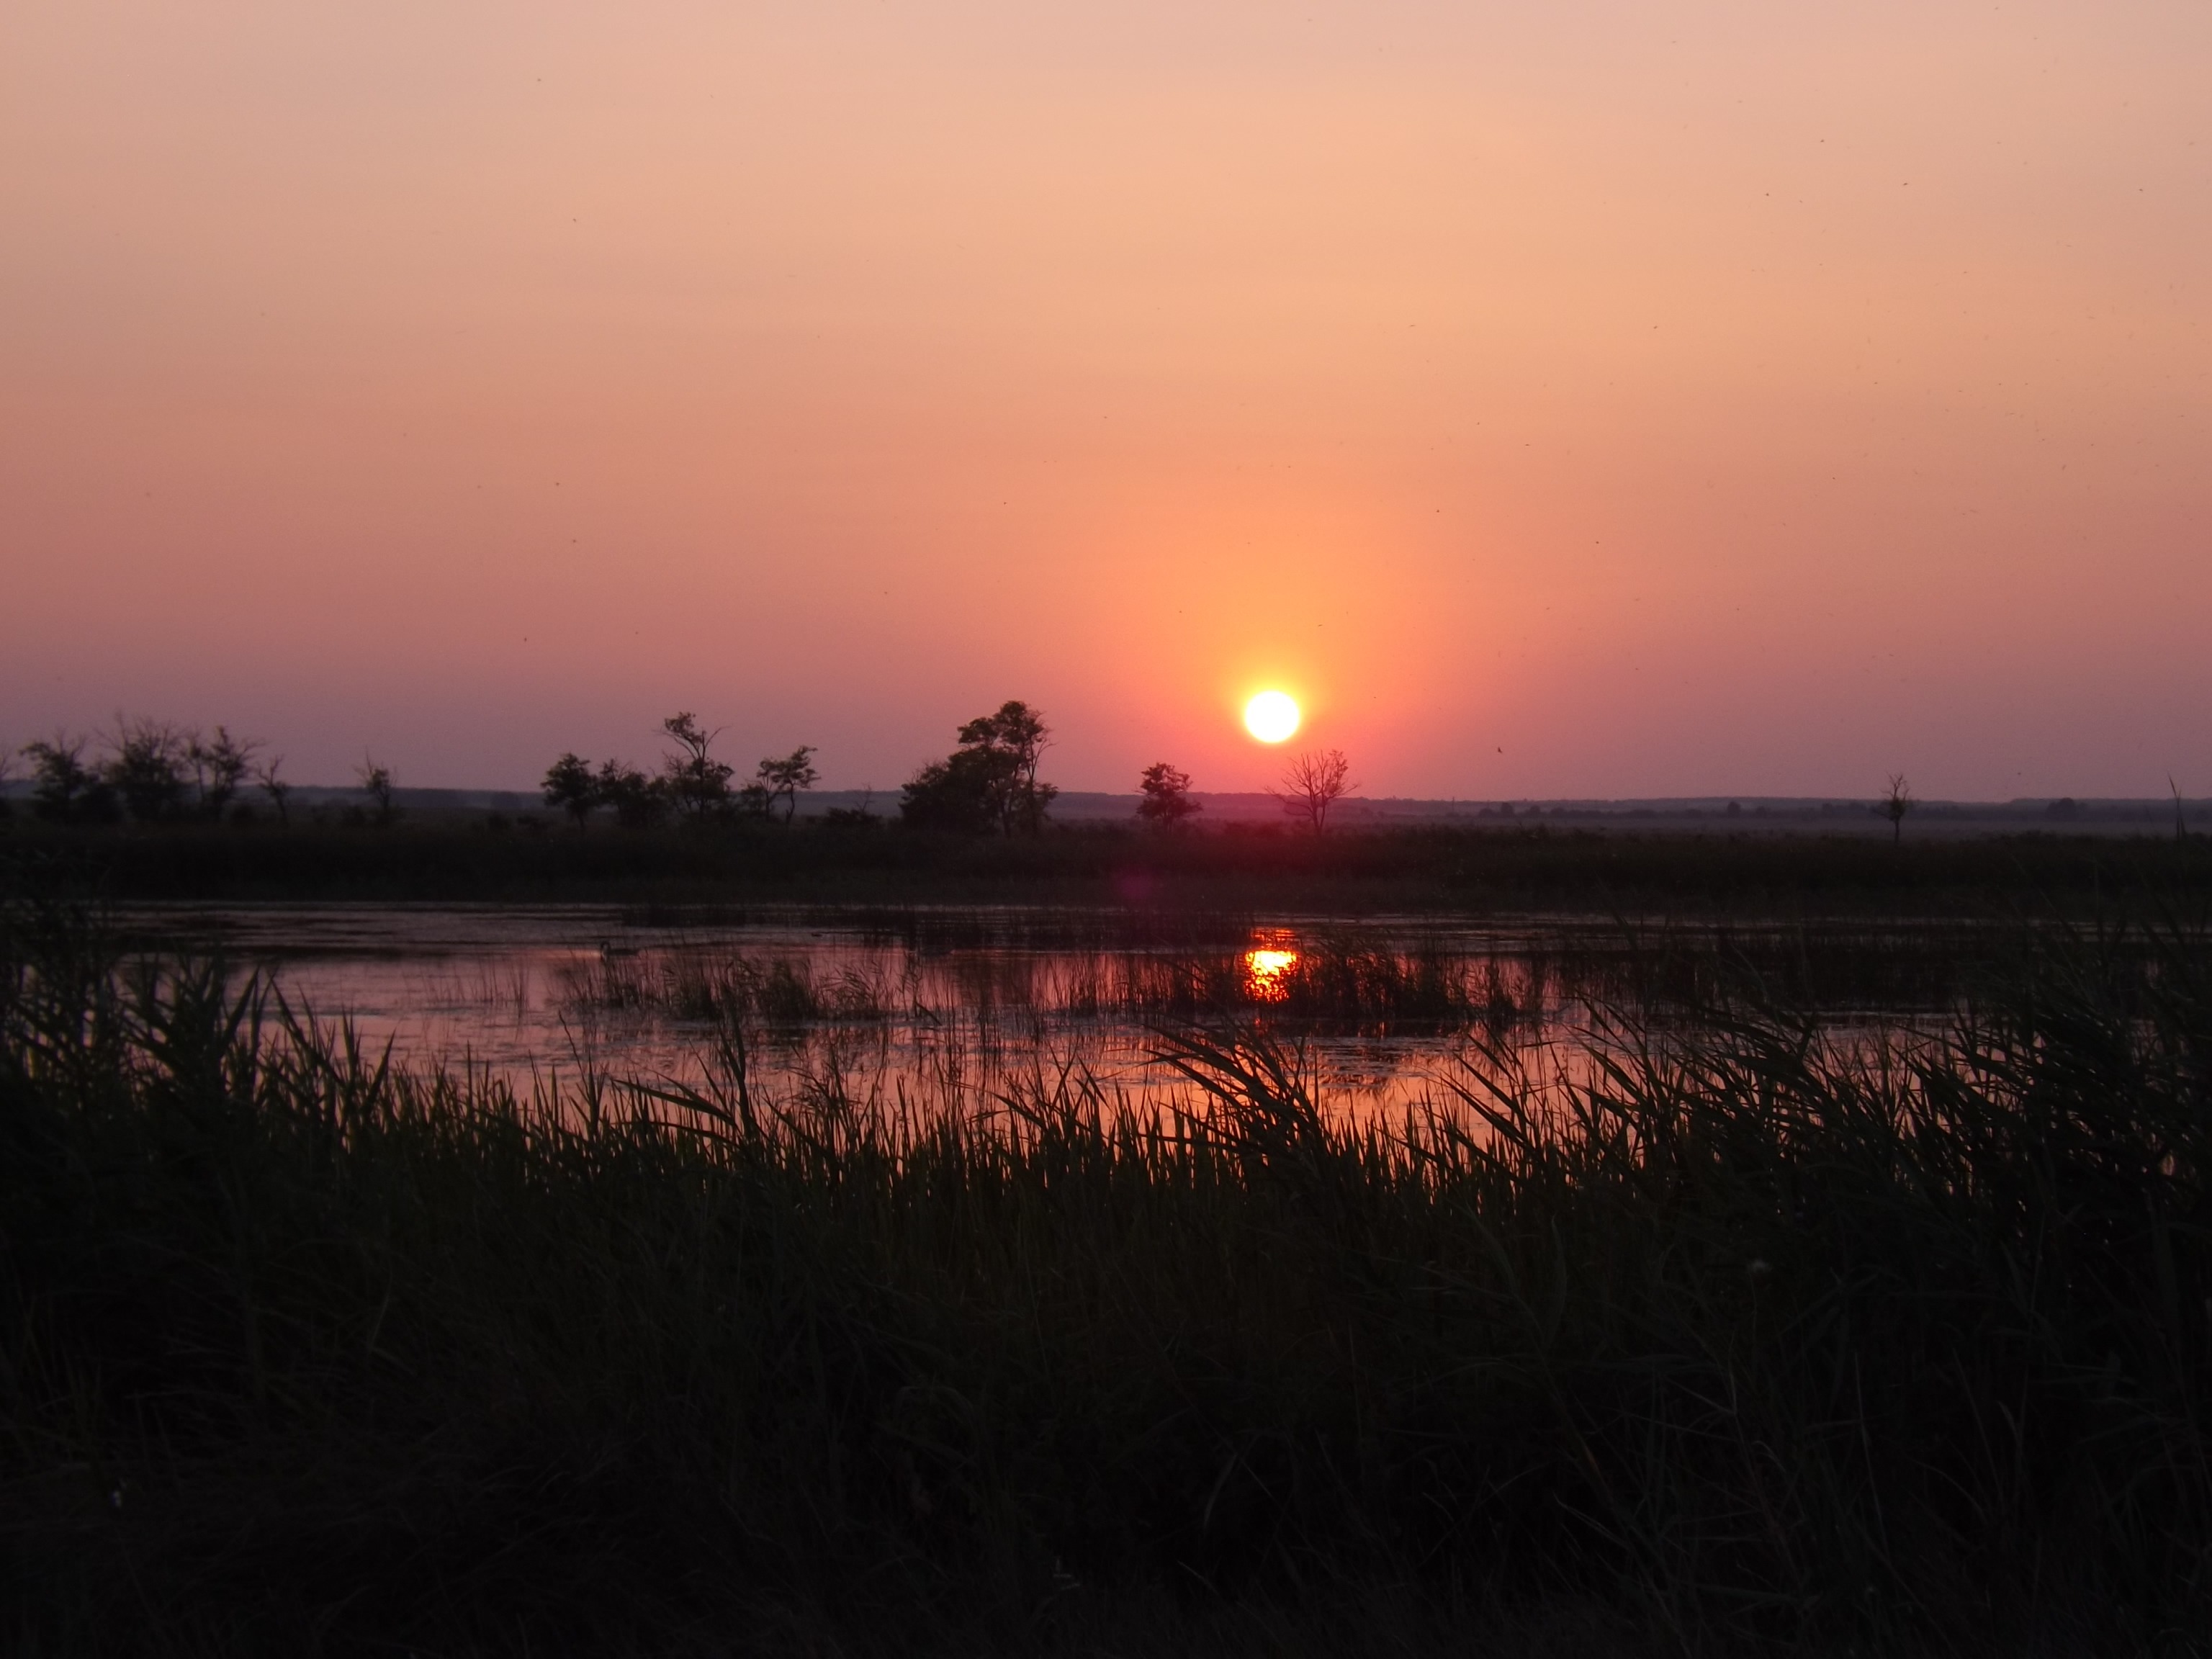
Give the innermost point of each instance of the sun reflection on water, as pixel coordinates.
(1267, 973)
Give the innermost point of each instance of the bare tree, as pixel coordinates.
(376, 784)
(64, 788)
(1896, 804)
(2180, 823)
(219, 766)
(848, 818)
(276, 787)
(1313, 784)
(145, 766)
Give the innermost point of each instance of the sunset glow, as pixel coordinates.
(1045, 747)
(1598, 401)
(1272, 716)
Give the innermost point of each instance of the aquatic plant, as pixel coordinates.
(1744, 1342)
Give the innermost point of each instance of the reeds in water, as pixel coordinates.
(712, 987)
(1349, 983)
(1742, 1340)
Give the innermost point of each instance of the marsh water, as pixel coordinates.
(931, 1004)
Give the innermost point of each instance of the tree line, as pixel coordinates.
(988, 785)
(151, 772)
(692, 786)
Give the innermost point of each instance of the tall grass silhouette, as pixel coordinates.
(1743, 1340)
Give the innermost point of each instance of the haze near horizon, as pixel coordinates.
(1596, 404)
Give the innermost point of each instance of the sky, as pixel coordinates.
(1589, 399)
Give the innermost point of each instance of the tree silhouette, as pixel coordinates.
(960, 793)
(64, 789)
(219, 766)
(376, 783)
(1167, 801)
(990, 782)
(698, 784)
(570, 786)
(639, 802)
(1313, 784)
(273, 785)
(146, 767)
(1017, 735)
(1896, 804)
(781, 778)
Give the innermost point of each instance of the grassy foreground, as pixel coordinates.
(1756, 1343)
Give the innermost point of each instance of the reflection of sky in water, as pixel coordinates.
(549, 993)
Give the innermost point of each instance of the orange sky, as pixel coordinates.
(1687, 399)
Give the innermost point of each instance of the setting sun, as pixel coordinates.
(1270, 716)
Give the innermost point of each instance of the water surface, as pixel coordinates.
(931, 1004)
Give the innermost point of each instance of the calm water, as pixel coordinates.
(924, 1003)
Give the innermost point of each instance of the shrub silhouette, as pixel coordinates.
(64, 789)
(220, 765)
(1166, 790)
(638, 802)
(146, 770)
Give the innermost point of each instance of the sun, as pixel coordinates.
(1270, 716)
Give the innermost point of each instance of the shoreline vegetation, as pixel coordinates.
(492, 858)
(155, 812)
(1749, 1339)
(1746, 1331)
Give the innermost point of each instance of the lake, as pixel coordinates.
(937, 1003)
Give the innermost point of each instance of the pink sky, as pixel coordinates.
(1585, 399)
